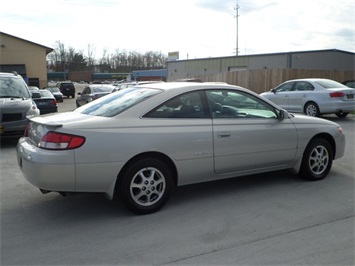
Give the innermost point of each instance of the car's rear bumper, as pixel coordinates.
(341, 106)
(46, 169)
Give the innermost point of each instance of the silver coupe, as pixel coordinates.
(138, 143)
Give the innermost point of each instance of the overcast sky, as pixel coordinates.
(194, 28)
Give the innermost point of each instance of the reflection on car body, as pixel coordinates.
(141, 142)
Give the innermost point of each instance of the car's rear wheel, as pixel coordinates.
(146, 186)
(317, 160)
(341, 114)
(311, 109)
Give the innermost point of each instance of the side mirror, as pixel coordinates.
(36, 95)
(79, 93)
(282, 114)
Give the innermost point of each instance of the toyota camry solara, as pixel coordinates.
(137, 144)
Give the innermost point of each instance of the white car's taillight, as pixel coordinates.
(60, 141)
(337, 94)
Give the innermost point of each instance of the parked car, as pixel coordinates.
(46, 103)
(67, 88)
(140, 142)
(33, 89)
(349, 83)
(93, 92)
(314, 97)
(56, 93)
(16, 105)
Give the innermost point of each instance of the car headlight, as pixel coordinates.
(340, 130)
(33, 111)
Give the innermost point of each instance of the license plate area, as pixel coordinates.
(350, 96)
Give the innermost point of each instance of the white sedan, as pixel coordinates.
(313, 97)
(140, 142)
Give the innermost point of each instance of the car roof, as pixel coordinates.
(100, 85)
(309, 79)
(174, 88)
(187, 86)
(5, 74)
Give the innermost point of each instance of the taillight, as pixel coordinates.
(60, 141)
(54, 102)
(337, 94)
(25, 134)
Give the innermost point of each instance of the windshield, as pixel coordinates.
(330, 84)
(117, 102)
(13, 88)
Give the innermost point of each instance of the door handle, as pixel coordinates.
(223, 134)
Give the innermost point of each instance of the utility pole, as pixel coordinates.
(236, 18)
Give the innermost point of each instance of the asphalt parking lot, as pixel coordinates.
(269, 219)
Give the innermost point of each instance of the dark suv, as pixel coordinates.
(67, 89)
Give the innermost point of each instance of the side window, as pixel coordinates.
(86, 90)
(285, 87)
(233, 104)
(188, 105)
(303, 86)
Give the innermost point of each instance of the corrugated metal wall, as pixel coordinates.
(308, 60)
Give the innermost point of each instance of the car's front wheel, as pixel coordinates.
(317, 160)
(146, 186)
(311, 109)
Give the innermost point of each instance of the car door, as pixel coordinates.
(298, 96)
(248, 135)
(280, 94)
(84, 97)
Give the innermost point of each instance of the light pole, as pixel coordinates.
(236, 17)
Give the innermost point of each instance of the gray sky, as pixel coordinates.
(195, 28)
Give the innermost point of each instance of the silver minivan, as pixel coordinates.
(16, 104)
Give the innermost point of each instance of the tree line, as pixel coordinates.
(64, 59)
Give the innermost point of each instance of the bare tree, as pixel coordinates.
(91, 55)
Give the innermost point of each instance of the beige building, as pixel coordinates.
(25, 57)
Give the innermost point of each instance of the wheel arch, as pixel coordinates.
(308, 102)
(157, 155)
(328, 138)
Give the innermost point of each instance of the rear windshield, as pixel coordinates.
(13, 88)
(115, 103)
(330, 84)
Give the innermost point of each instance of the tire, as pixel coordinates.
(341, 114)
(146, 186)
(317, 160)
(311, 109)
